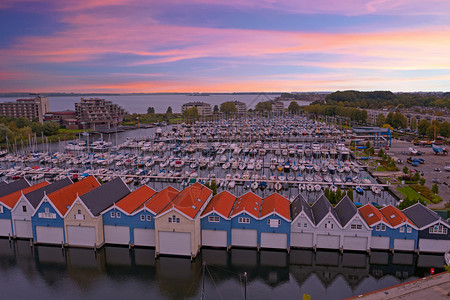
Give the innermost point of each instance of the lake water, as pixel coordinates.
(140, 103)
(42, 272)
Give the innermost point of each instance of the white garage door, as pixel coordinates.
(244, 237)
(274, 240)
(380, 242)
(144, 237)
(327, 241)
(304, 240)
(214, 238)
(49, 235)
(402, 244)
(439, 246)
(119, 235)
(81, 236)
(5, 227)
(355, 243)
(175, 243)
(22, 229)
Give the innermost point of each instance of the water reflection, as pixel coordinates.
(117, 273)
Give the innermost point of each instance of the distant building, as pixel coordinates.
(67, 118)
(29, 108)
(379, 136)
(204, 109)
(372, 115)
(241, 107)
(98, 113)
(277, 107)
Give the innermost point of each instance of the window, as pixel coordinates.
(142, 217)
(299, 225)
(378, 228)
(305, 225)
(402, 229)
(113, 215)
(438, 229)
(273, 222)
(244, 220)
(408, 229)
(46, 210)
(149, 217)
(24, 208)
(79, 211)
(215, 219)
(383, 227)
(118, 214)
(356, 226)
(174, 219)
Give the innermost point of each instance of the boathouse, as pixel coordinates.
(381, 228)
(303, 225)
(177, 226)
(245, 221)
(403, 232)
(275, 222)
(216, 222)
(83, 223)
(25, 207)
(433, 231)
(328, 226)
(47, 220)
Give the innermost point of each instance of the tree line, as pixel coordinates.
(21, 128)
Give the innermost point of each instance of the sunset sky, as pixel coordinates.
(224, 46)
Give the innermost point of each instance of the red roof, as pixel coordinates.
(190, 200)
(222, 203)
(394, 216)
(135, 199)
(63, 198)
(11, 199)
(276, 203)
(371, 214)
(249, 202)
(161, 199)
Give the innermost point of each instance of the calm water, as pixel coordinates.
(117, 273)
(139, 104)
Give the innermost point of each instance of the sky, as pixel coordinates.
(120, 46)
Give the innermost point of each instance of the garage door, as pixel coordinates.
(274, 240)
(119, 235)
(304, 240)
(49, 235)
(244, 237)
(402, 244)
(440, 246)
(327, 241)
(144, 237)
(214, 238)
(175, 243)
(22, 229)
(380, 242)
(5, 227)
(81, 236)
(355, 243)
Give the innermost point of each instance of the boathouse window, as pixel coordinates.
(24, 208)
(439, 229)
(215, 219)
(356, 226)
(79, 211)
(381, 227)
(408, 229)
(142, 217)
(329, 225)
(118, 214)
(305, 225)
(149, 217)
(402, 229)
(174, 219)
(244, 220)
(273, 222)
(113, 215)
(46, 214)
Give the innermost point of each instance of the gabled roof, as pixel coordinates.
(300, 204)
(321, 208)
(135, 199)
(105, 195)
(63, 198)
(249, 202)
(10, 200)
(161, 199)
(13, 187)
(345, 210)
(394, 216)
(372, 215)
(421, 215)
(190, 200)
(36, 196)
(276, 203)
(221, 203)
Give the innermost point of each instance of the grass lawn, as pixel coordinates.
(380, 169)
(411, 194)
(72, 130)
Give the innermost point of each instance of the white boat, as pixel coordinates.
(317, 187)
(375, 190)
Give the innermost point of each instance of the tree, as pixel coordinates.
(423, 126)
(367, 145)
(381, 153)
(169, 110)
(263, 106)
(293, 107)
(390, 119)
(381, 120)
(413, 123)
(416, 176)
(435, 189)
(405, 170)
(50, 128)
(350, 193)
(407, 202)
(422, 181)
(214, 187)
(5, 132)
(150, 110)
(228, 107)
(191, 113)
(216, 109)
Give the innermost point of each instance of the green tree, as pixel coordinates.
(413, 123)
(191, 113)
(216, 109)
(416, 176)
(50, 128)
(265, 106)
(423, 126)
(150, 110)
(350, 193)
(214, 187)
(399, 120)
(169, 110)
(293, 107)
(422, 181)
(367, 145)
(228, 107)
(407, 202)
(381, 120)
(390, 119)
(380, 153)
(5, 132)
(405, 170)
(435, 189)
(22, 122)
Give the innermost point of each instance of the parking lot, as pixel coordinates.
(399, 149)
